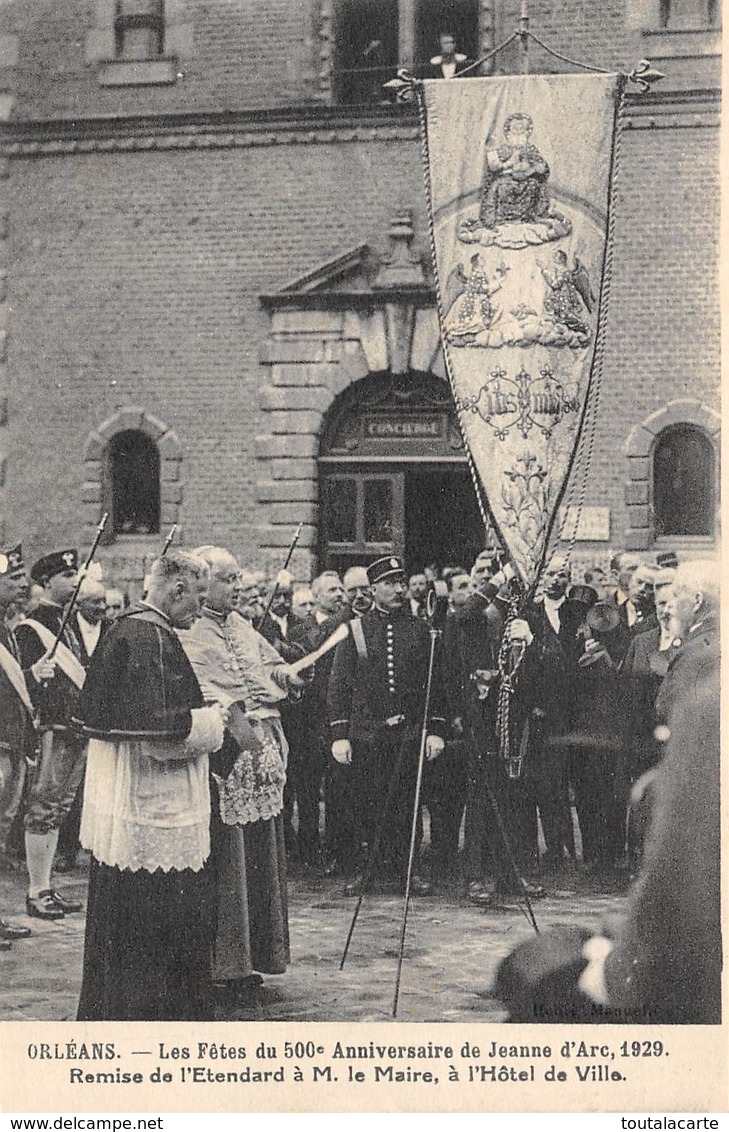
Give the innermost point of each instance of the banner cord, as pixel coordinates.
(487, 521)
(583, 459)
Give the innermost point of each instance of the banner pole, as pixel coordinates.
(523, 34)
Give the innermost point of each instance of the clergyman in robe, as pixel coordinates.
(238, 668)
(146, 811)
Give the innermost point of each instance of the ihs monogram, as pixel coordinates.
(522, 402)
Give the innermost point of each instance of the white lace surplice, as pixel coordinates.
(143, 813)
(253, 791)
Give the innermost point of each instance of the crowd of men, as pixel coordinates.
(220, 727)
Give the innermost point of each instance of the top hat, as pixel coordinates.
(385, 568)
(56, 563)
(603, 617)
(586, 595)
(667, 560)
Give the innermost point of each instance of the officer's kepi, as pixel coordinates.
(385, 569)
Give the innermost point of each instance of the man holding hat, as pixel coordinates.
(376, 707)
(16, 715)
(62, 751)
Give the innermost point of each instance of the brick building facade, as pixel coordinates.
(216, 306)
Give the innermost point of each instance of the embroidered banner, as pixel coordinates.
(518, 174)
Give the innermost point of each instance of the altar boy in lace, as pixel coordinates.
(146, 812)
(238, 668)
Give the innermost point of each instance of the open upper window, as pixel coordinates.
(374, 37)
(683, 482)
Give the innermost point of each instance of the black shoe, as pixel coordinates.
(13, 931)
(5, 945)
(43, 906)
(64, 904)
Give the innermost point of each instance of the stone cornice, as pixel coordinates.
(310, 125)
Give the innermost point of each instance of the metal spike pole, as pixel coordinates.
(523, 34)
(79, 581)
(434, 635)
(168, 540)
(274, 591)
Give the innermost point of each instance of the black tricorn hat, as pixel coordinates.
(390, 567)
(56, 563)
(11, 560)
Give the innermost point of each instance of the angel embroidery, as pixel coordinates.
(471, 310)
(570, 292)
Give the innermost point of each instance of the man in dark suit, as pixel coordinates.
(307, 732)
(642, 672)
(448, 62)
(498, 840)
(549, 673)
(276, 623)
(377, 707)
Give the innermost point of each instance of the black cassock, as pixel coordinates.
(149, 931)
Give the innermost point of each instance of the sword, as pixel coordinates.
(79, 581)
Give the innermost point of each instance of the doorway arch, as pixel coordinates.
(393, 476)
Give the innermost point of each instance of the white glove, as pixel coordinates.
(43, 669)
(433, 747)
(342, 751)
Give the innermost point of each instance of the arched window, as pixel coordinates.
(683, 482)
(133, 483)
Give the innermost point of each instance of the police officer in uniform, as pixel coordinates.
(376, 706)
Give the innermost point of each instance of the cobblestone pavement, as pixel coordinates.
(452, 951)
